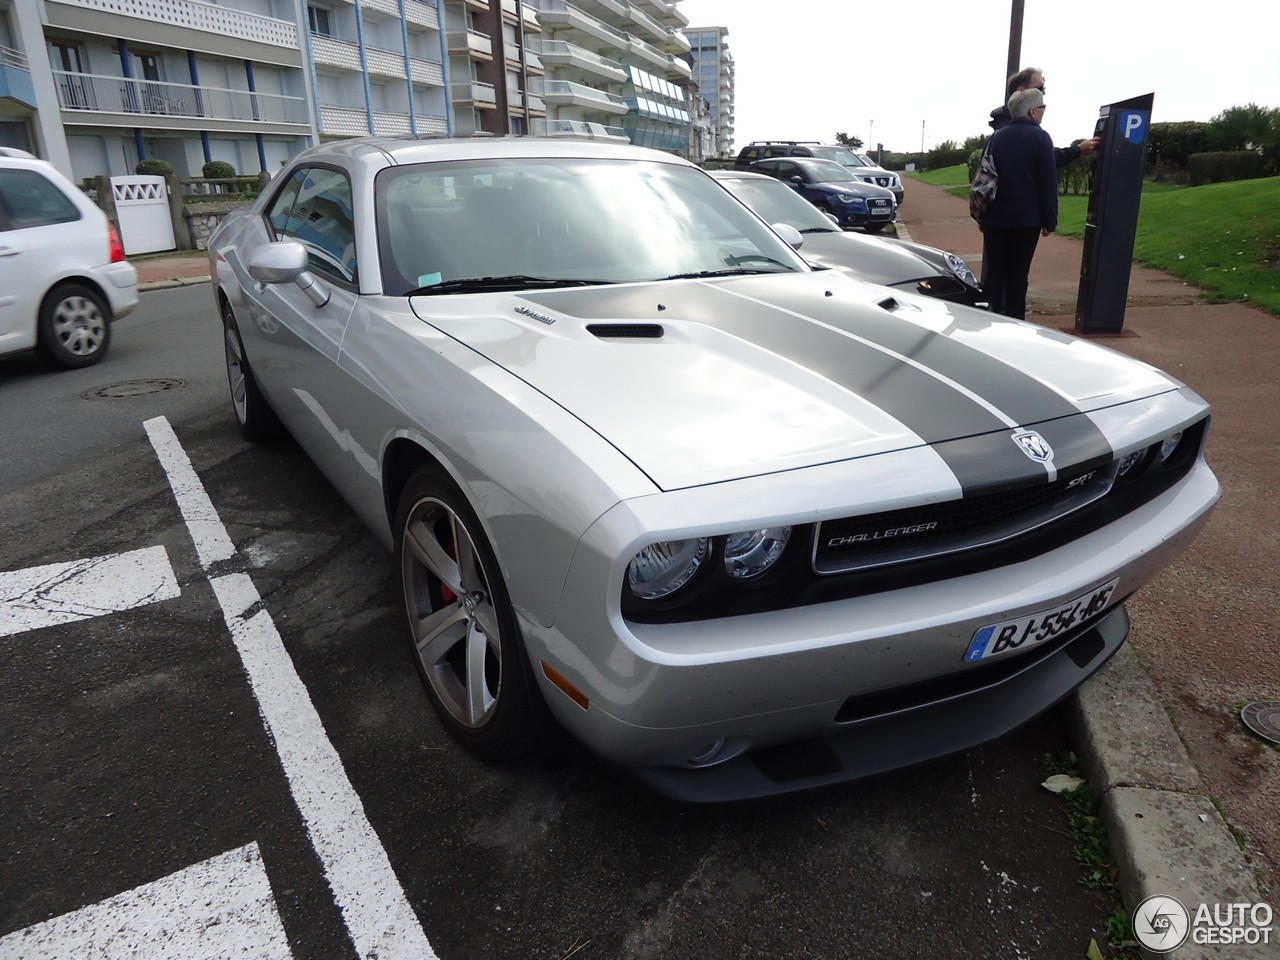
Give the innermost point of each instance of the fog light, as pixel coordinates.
(707, 757)
(1130, 460)
(1169, 445)
(751, 552)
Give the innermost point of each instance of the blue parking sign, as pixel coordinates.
(1133, 125)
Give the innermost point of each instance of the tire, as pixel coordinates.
(254, 416)
(874, 227)
(74, 328)
(462, 632)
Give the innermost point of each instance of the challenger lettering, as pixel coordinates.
(880, 535)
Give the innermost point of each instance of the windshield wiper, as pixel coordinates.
(831, 229)
(727, 272)
(509, 282)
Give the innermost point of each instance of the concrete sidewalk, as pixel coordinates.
(1189, 794)
(180, 269)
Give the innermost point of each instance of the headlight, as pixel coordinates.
(1129, 461)
(662, 568)
(854, 201)
(751, 552)
(961, 270)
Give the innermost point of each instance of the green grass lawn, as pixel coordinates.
(1223, 238)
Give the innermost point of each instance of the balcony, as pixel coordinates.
(473, 4)
(481, 96)
(382, 63)
(616, 7)
(102, 100)
(206, 24)
(473, 44)
(679, 68)
(578, 128)
(564, 54)
(416, 12)
(646, 51)
(567, 94)
(512, 10)
(563, 14)
(15, 79)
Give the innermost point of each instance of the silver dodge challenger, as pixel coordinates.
(739, 526)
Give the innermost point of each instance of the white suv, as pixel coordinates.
(63, 274)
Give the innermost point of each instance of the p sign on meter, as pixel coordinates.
(1133, 126)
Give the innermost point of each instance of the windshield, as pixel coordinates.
(839, 154)
(568, 220)
(828, 171)
(775, 202)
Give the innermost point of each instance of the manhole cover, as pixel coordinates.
(133, 388)
(1263, 718)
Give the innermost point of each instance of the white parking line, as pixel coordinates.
(57, 593)
(374, 907)
(212, 910)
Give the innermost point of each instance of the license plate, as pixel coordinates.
(1026, 632)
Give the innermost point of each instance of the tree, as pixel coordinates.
(853, 143)
(1250, 127)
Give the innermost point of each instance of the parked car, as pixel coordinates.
(831, 188)
(739, 526)
(863, 167)
(895, 263)
(64, 278)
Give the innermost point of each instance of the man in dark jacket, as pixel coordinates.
(1025, 206)
(1030, 78)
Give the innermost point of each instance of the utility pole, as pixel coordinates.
(1015, 45)
(922, 138)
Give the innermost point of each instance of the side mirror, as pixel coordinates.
(280, 262)
(285, 261)
(796, 181)
(788, 233)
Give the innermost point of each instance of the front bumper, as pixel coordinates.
(661, 694)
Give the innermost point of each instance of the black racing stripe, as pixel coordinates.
(927, 406)
(975, 444)
(1020, 396)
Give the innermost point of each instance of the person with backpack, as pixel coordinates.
(1024, 204)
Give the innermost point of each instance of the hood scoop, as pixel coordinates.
(626, 331)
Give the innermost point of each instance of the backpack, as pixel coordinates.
(983, 189)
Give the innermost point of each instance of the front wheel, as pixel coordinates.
(254, 416)
(462, 629)
(875, 227)
(74, 328)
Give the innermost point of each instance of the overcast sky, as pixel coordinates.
(890, 72)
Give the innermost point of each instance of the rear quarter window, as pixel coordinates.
(30, 199)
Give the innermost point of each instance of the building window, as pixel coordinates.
(318, 21)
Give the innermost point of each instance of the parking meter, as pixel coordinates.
(1112, 221)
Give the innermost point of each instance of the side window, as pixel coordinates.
(787, 170)
(32, 200)
(319, 216)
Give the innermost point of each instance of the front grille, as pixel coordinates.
(918, 533)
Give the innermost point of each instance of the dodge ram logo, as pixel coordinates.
(1034, 446)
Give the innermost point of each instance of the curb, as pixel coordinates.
(172, 282)
(1167, 836)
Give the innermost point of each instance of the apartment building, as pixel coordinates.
(96, 86)
(713, 77)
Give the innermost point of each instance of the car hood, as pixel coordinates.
(855, 188)
(704, 381)
(869, 258)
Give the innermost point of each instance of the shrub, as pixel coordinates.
(154, 168)
(1225, 165)
(939, 158)
(217, 170)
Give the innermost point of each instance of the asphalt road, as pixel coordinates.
(134, 746)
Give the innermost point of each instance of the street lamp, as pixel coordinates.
(871, 137)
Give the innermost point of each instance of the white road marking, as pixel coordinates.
(57, 593)
(210, 536)
(374, 907)
(212, 910)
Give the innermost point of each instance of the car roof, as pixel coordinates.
(16, 154)
(387, 151)
(740, 175)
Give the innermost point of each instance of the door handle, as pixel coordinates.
(9, 251)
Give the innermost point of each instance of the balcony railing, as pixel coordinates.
(563, 91)
(10, 57)
(98, 93)
(561, 11)
(570, 54)
(578, 128)
(475, 94)
(196, 15)
(473, 43)
(383, 63)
